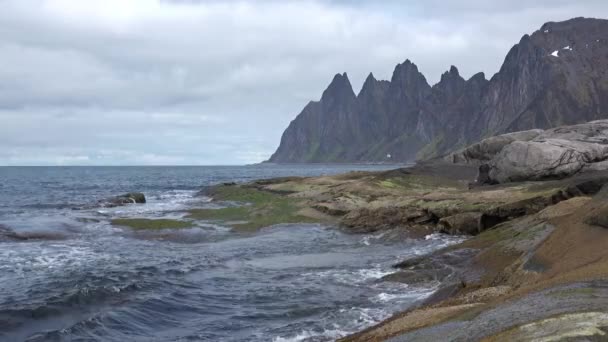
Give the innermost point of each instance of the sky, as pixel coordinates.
(186, 82)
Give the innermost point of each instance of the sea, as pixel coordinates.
(68, 274)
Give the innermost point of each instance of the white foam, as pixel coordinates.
(555, 53)
(439, 241)
(387, 297)
(408, 294)
(369, 316)
(546, 31)
(167, 201)
(435, 236)
(367, 240)
(567, 48)
(374, 273)
(352, 276)
(50, 259)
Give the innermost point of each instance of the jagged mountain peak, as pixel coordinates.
(407, 79)
(340, 80)
(373, 90)
(369, 82)
(454, 71)
(451, 75)
(340, 86)
(406, 68)
(480, 76)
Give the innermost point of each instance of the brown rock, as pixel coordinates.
(370, 220)
(464, 223)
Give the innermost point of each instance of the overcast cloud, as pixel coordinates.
(114, 82)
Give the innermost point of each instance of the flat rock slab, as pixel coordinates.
(590, 297)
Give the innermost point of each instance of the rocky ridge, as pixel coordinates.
(556, 76)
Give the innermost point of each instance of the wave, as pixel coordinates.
(324, 335)
(61, 309)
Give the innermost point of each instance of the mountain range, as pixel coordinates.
(556, 76)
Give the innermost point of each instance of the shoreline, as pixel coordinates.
(540, 242)
(518, 232)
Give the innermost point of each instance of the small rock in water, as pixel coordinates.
(129, 198)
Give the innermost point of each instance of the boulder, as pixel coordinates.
(485, 150)
(538, 155)
(546, 159)
(129, 198)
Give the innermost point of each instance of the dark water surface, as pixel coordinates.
(76, 277)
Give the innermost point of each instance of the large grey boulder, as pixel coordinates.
(556, 153)
(537, 160)
(483, 151)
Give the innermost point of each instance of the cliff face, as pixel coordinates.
(556, 76)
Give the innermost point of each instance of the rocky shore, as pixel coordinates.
(534, 203)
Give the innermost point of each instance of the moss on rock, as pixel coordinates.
(260, 208)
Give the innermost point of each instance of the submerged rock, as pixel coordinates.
(8, 234)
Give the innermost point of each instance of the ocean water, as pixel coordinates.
(72, 276)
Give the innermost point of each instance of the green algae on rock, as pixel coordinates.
(258, 208)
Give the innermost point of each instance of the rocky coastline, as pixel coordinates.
(535, 265)
(534, 205)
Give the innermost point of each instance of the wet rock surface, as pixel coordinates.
(443, 268)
